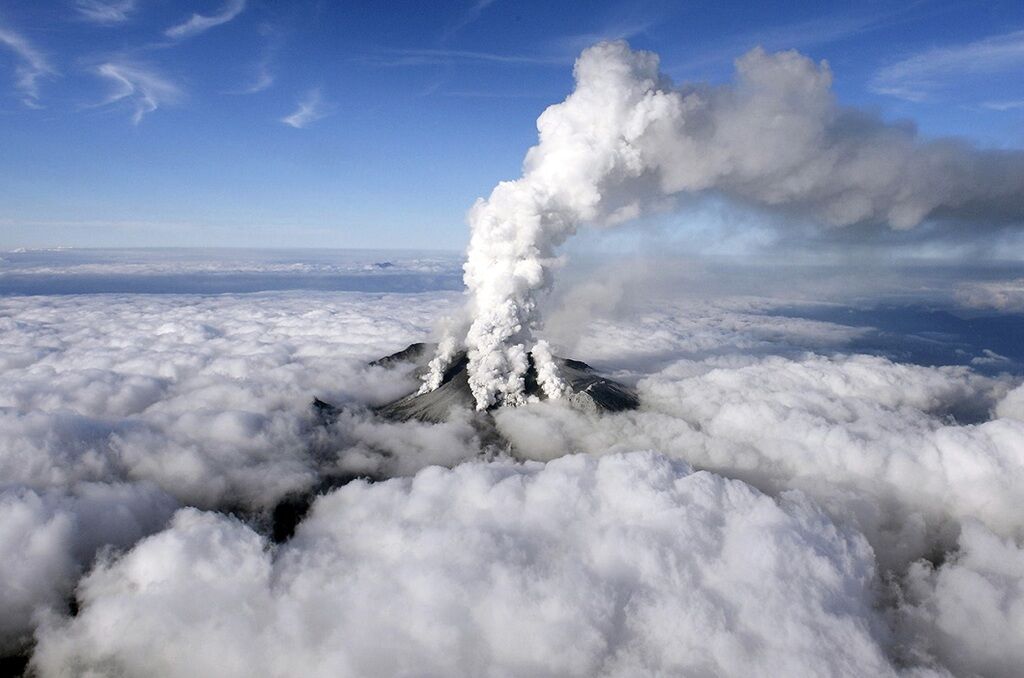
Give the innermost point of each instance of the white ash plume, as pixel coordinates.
(554, 386)
(447, 349)
(627, 140)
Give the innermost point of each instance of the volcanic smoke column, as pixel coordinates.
(584, 143)
(627, 141)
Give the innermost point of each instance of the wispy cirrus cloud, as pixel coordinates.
(624, 30)
(1003, 105)
(32, 65)
(144, 88)
(200, 23)
(105, 11)
(797, 35)
(263, 80)
(489, 94)
(263, 71)
(920, 75)
(311, 108)
(428, 57)
(471, 14)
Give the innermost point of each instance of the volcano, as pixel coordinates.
(588, 390)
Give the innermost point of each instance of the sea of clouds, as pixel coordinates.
(163, 271)
(793, 497)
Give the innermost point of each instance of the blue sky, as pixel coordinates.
(376, 124)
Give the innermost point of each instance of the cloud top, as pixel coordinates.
(116, 409)
(625, 565)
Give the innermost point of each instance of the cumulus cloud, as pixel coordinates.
(206, 397)
(626, 565)
(1012, 406)
(32, 65)
(862, 467)
(628, 141)
(311, 108)
(1001, 295)
(145, 89)
(49, 537)
(200, 23)
(969, 612)
(878, 444)
(145, 402)
(105, 11)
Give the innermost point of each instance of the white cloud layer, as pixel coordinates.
(48, 537)
(874, 442)
(140, 264)
(627, 565)
(115, 409)
(137, 403)
(969, 612)
(206, 397)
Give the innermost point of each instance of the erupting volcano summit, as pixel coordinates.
(627, 141)
(583, 388)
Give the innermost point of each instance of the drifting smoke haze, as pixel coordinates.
(824, 475)
(627, 141)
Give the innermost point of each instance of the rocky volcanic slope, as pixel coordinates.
(589, 391)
